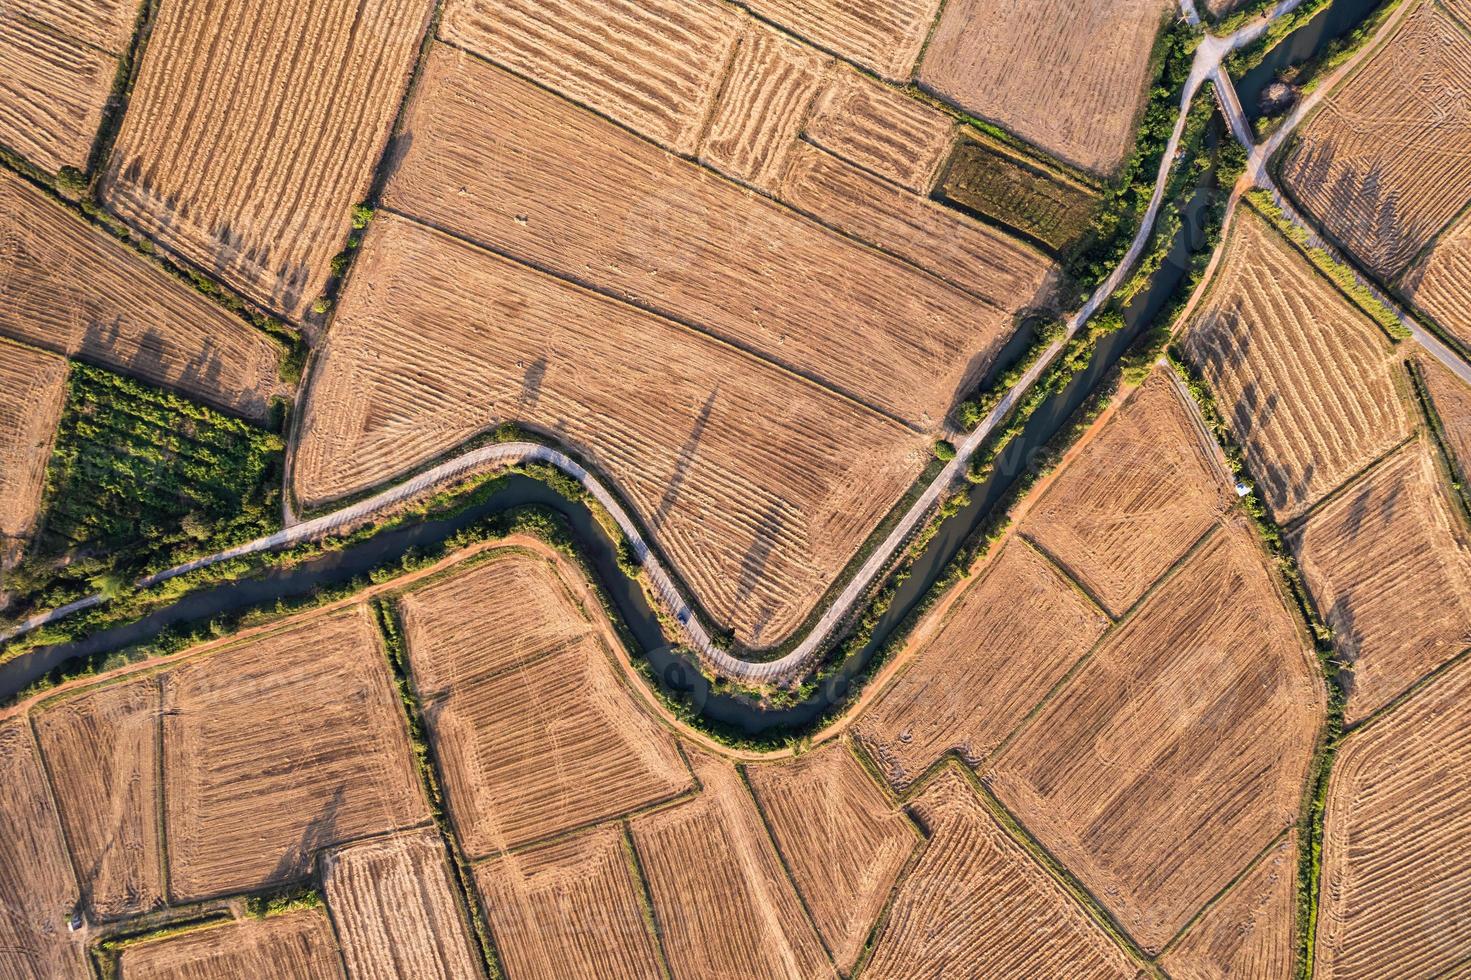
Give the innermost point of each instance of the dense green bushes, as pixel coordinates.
(141, 480)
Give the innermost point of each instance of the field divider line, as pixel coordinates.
(661, 583)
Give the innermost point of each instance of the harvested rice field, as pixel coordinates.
(1180, 749)
(1012, 635)
(290, 105)
(1384, 165)
(291, 946)
(101, 749)
(843, 840)
(724, 905)
(571, 908)
(975, 257)
(882, 130)
(37, 889)
(242, 812)
(32, 394)
(530, 746)
(1450, 399)
(977, 898)
(1136, 499)
(397, 910)
(1439, 284)
(1396, 884)
(70, 288)
(1309, 384)
(759, 485)
(1388, 564)
(1249, 932)
(1069, 77)
(60, 60)
(884, 36)
(654, 66)
(763, 105)
(507, 166)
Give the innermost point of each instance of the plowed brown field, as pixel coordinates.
(1451, 399)
(280, 747)
(37, 889)
(59, 60)
(1440, 283)
(975, 257)
(1385, 164)
(570, 909)
(530, 748)
(1136, 499)
(844, 842)
(977, 898)
(1179, 750)
(1012, 635)
(762, 106)
(69, 288)
(1307, 382)
(884, 35)
(651, 65)
(724, 905)
(882, 130)
(32, 393)
(102, 752)
(1069, 77)
(513, 168)
(397, 912)
(1389, 567)
(1250, 931)
(253, 129)
(1396, 884)
(760, 485)
(293, 946)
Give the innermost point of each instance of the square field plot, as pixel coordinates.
(253, 129)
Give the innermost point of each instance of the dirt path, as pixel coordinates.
(1206, 65)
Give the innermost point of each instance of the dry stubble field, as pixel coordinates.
(37, 888)
(1069, 77)
(1389, 566)
(844, 841)
(101, 750)
(722, 899)
(1308, 383)
(500, 163)
(882, 130)
(571, 908)
(1439, 284)
(977, 898)
(1450, 397)
(1396, 883)
(1136, 499)
(529, 746)
(253, 129)
(1250, 931)
(70, 288)
(1180, 749)
(58, 59)
(1010, 636)
(884, 36)
(1384, 165)
(758, 484)
(32, 393)
(395, 905)
(291, 946)
(270, 755)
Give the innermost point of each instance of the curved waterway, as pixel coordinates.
(1326, 26)
(727, 711)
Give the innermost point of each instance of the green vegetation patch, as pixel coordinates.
(1025, 197)
(141, 480)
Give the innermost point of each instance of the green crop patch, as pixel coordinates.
(140, 480)
(1029, 199)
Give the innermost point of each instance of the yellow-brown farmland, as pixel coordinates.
(293, 946)
(32, 393)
